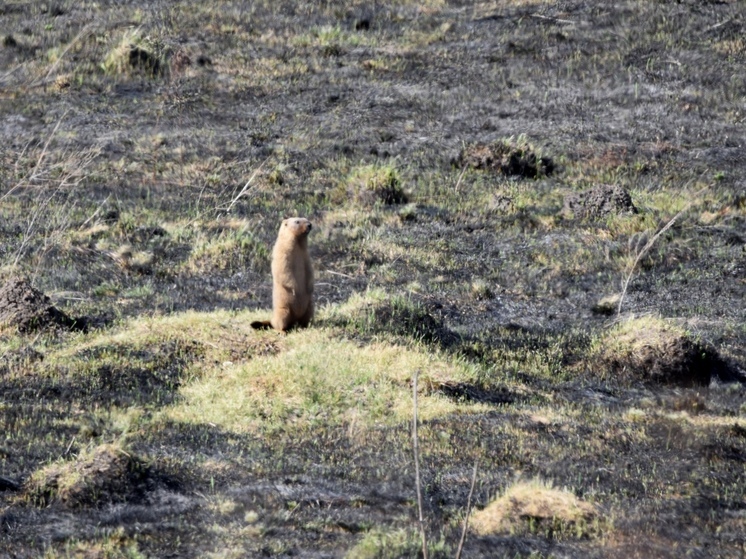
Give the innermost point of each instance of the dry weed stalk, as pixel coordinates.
(245, 187)
(418, 484)
(87, 30)
(642, 252)
(468, 510)
(46, 181)
(416, 447)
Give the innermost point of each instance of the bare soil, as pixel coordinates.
(27, 309)
(599, 201)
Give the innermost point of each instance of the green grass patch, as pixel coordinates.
(319, 379)
(381, 543)
(373, 184)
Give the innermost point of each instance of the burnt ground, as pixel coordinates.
(149, 181)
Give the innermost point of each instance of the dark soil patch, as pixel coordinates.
(130, 376)
(20, 357)
(7, 484)
(475, 393)
(413, 321)
(26, 308)
(599, 201)
(508, 158)
(146, 61)
(400, 317)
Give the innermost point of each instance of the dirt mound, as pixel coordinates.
(599, 201)
(653, 351)
(107, 474)
(534, 503)
(511, 158)
(371, 184)
(399, 316)
(413, 321)
(28, 309)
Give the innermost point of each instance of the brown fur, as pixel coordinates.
(292, 278)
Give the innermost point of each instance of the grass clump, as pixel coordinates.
(511, 157)
(104, 474)
(115, 545)
(535, 506)
(137, 53)
(230, 248)
(379, 543)
(375, 313)
(373, 184)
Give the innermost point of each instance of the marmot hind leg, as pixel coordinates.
(282, 320)
(305, 320)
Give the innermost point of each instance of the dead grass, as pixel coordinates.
(137, 52)
(534, 506)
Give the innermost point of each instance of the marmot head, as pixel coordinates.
(296, 226)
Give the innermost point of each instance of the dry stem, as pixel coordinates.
(416, 447)
(468, 510)
(650, 244)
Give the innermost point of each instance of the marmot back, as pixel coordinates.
(292, 277)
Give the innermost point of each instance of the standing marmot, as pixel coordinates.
(292, 277)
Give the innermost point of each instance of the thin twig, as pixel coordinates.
(87, 30)
(558, 20)
(650, 244)
(468, 509)
(461, 176)
(416, 447)
(67, 450)
(95, 213)
(717, 25)
(33, 175)
(339, 274)
(246, 186)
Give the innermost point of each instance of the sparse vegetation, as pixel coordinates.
(134, 53)
(371, 184)
(536, 208)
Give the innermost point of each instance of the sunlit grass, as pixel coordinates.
(321, 379)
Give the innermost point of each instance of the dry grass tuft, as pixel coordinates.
(535, 504)
(137, 53)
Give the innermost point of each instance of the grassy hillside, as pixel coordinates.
(536, 209)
